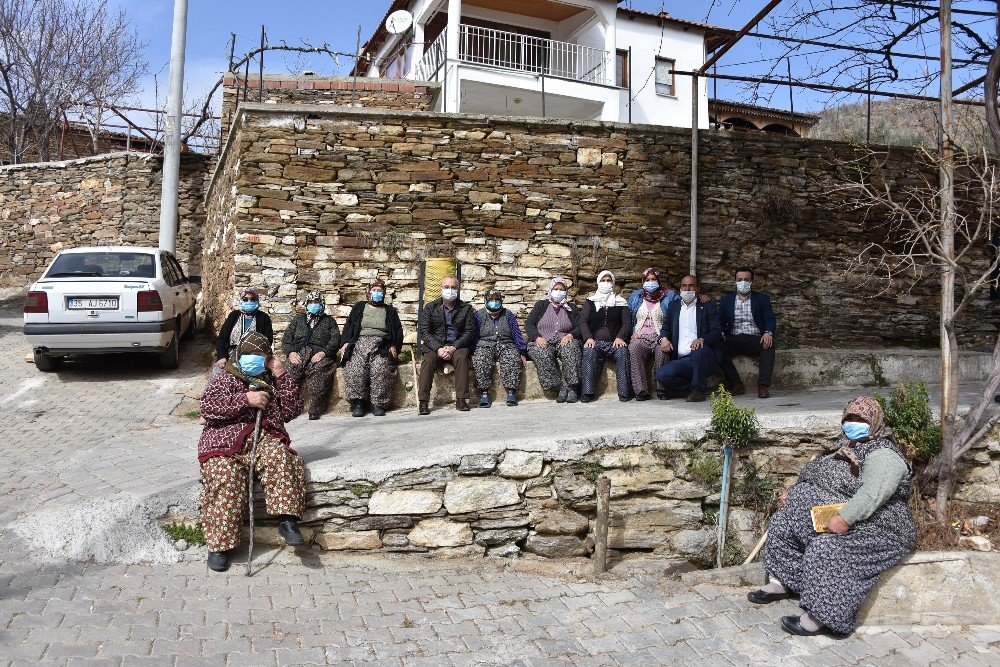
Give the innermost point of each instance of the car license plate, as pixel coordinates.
(92, 303)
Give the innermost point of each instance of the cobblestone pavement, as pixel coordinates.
(104, 426)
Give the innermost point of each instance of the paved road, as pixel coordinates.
(102, 429)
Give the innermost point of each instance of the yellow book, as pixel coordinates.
(822, 513)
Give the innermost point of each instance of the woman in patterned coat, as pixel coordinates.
(499, 341)
(254, 380)
(832, 572)
(373, 338)
(311, 342)
(553, 328)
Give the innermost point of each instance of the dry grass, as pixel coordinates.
(932, 536)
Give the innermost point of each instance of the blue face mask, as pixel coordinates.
(494, 305)
(856, 430)
(252, 364)
(314, 308)
(651, 285)
(378, 297)
(249, 306)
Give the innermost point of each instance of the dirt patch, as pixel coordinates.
(932, 536)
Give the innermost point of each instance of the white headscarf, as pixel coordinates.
(610, 299)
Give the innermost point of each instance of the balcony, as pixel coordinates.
(514, 52)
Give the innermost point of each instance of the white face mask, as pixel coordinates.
(743, 286)
(688, 297)
(558, 295)
(605, 288)
(449, 293)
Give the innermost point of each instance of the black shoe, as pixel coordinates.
(736, 388)
(511, 398)
(462, 405)
(763, 597)
(484, 401)
(424, 410)
(663, 395)
(357, 409)
(313, 416)
(563, 389)
(378, 411)
(792, 626)
(572, 393)
(643, 396)
(218, 560)
(997, 398)
(696, 396)
(624, 399)
(289, 531)
(586, 398)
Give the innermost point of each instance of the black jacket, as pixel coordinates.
(323, 337)
(432, 326)
(618, 319)
(222, 342)
(352, 329)
(709, 328)
(760, 307)
(538, 311)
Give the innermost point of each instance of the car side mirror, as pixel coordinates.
(194, 279)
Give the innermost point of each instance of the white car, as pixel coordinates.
(110, 299)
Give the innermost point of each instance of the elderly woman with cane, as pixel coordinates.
(865, 479)
(236, 444)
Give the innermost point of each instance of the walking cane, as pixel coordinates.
(253, 461)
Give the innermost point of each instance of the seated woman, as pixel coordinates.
(247, 317)
(553, 329)
(254, 380)
(311, 342)
(833, 572)
(605, 323)
(499, 341)
(373, 337)
(649, 310)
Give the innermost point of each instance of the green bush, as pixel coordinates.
(181, 531)
(731, 424)
(754, 487)
(704, 469)
(908, 414)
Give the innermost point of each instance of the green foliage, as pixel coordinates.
(182, 531)
(731, 424)
(362, 490)
(591, 470)
(908, 414)
(754, 487)
(405, 357)
(705, 469)
(192, 414)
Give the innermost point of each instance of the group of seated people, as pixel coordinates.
(689, 336)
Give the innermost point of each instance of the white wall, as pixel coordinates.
(686, 48)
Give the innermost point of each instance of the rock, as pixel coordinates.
(181, 545)
(395, 541)
(365, 540)
(684, 490)
(698, 543)
(440, 533)
(557, 546)
(980, 521)
(521, 465)
(334, 512)
(638, 480)
(588, 157)
(380, 523)
(550, 519)
(471, 495)
(489, 522)
(491, 538)
(477, 464)
(744, 528)
(504, 551)
(404, 502)
(466, 551)
(975, 543)
(428, 478)
(574, 489)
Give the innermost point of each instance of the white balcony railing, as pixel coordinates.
(521, 53)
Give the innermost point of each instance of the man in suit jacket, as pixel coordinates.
(690, 335)
(447, 334)
(748, 324)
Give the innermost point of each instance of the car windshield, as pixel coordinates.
(103, 265)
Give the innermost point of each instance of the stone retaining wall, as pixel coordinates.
(109, 199)
(330, 198)
(664, 497)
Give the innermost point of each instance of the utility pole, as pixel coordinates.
(172, 135)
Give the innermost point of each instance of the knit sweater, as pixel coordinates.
(881, 473)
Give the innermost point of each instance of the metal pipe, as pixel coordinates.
(601, 525)
(260, 80)
(791, 96)
(172, 135)
(727, 457)
(357, 61)
(627, 71)
(739, 35)
(693, 262)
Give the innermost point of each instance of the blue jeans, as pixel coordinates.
(688, 372)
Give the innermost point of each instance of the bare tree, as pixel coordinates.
(917, 247)
(54, 53)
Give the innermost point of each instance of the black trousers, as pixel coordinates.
(747, 345)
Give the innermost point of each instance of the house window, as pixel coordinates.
(622, 69)
(664, 76)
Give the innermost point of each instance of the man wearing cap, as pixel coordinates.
(311, 342)
(499, 341)
(255, 380)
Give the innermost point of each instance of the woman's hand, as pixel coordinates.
(666, 345)
(342, 348)
(275, 366)
(590, 344)
(619, 343)
(221, 363)
(837, 525)
(294, 358)
(393, 352)
(541, 342)
(257, 399)
(783, 498)
(318, 357)
(567, 339)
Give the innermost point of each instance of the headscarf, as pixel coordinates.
(252, 343)
(869, 410)
(249, 291)
(652, 297)
(552, 285)
(609, 300)
(490, 294)
(378, 282)
(315, 295)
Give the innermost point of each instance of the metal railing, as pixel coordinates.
(432, 61)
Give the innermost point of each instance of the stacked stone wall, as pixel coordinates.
(328, 199)
(109, 199)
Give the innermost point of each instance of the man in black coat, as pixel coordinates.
(447, 334)
(691, 334)
(748, 324)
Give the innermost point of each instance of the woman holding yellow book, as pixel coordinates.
(844, 522)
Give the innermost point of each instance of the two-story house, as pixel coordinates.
(578, 59)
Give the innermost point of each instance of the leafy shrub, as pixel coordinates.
(704, 469)
(754, 487)
(731, 424)
(182, 531)
(908, 414)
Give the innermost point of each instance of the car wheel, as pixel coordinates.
(192, 327)
(171, 356)
(47, 364)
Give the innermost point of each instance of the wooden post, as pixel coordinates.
(601, 528)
